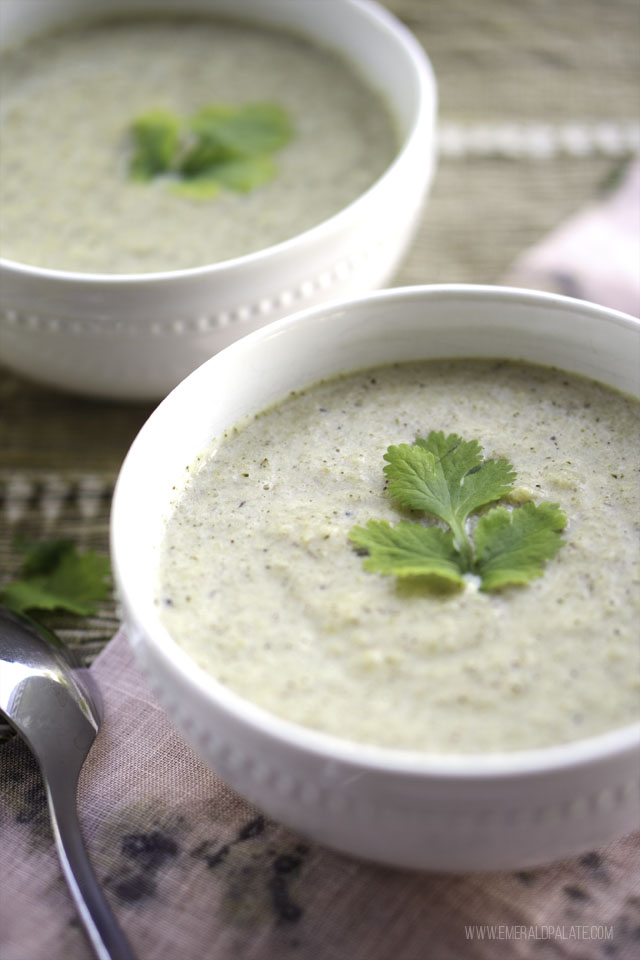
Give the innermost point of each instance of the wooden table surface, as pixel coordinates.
(504, 70)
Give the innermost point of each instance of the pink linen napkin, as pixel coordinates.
(595, 254)
(193, 871)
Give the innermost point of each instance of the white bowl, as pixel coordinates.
(453, 812)
(137, 335)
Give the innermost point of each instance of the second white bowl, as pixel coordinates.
(136, 335)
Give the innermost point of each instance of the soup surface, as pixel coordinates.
(259, 584)
(69, 99)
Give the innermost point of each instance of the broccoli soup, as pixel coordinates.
(439, 556)
(149, 144)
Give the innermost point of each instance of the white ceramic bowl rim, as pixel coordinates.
(504, 765)
(427, 99)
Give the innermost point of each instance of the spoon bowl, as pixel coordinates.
(55, 706)
(38, 669)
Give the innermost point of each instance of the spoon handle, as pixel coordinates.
(107, 939)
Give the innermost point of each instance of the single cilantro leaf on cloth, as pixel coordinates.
(41, 556)
(512, 546)
(155, 136)
(408, 550)
(446, 476)
(54, 576)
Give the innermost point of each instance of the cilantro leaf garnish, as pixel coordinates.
(447, 478)
(239, 175)
(408, 550)
(220, 146)
(55, 576)
(198, 188)
(155, 137)
(41, 556)
(229, 133)
(513, 545)
(245, 173)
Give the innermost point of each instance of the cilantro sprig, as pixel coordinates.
(448, 479)
(220, 146)
(55, 576)
(156, 138)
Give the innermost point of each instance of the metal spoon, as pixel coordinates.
(55, 707)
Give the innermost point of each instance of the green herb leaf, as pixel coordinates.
(447, 478)
(220, 146)
(155, 138)
(54, 576)
(408, 550)
(244, 175)
(239, 175)
(41, 556)
(199, 188)
(513, 545)
(226, 133)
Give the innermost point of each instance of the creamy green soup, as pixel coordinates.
(68, 102)
(259, 584)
